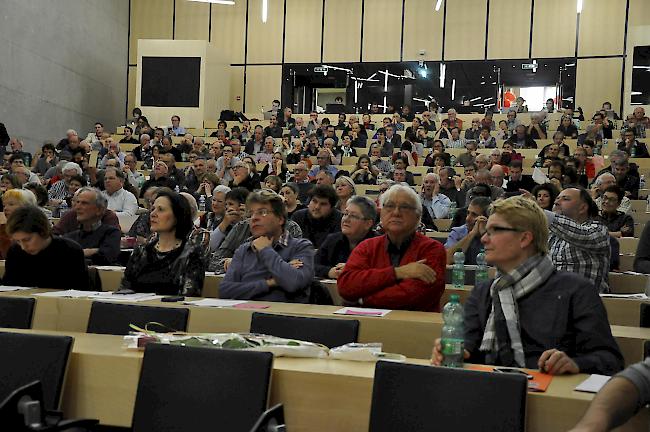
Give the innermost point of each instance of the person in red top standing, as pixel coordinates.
(402, 269)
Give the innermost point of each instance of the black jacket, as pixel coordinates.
(316, 230)
(250, 183)
(335, 249)
(526, 182)
(106, 238)
(565, 313)
(4, 136)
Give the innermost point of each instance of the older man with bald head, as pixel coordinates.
(497, 176)
(578, 242)
(436, 204)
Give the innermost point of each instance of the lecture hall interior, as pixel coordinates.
(325, 215)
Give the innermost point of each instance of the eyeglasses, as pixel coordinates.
(353, 216)
(258, 213)
(490, 231)
(390, 207)
(609, 199)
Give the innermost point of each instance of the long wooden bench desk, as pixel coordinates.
(318, 395)
(404, 332)
(621, 283)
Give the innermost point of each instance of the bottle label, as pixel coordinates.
(452, 347)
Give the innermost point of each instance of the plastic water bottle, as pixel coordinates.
(452, 209)
(453, 337)
(452, 160)
(633, 151)
(458, 272)
(202, 203)
(642, 181)
(63, 208)
(177, 189)
(481, 274)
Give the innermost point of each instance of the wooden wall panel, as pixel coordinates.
(422, 30)
(133, 77)
(598, 80)
(303, 31)
(382, 30)
(465, 30)
(236, 88)
(342, 33)
(229, 30)
(263, 84)
(265, 39)
(192, 20)
(602, 27)
(150, 19)
(554, 28)
(505, 40)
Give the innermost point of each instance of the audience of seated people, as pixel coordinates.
(311, 219)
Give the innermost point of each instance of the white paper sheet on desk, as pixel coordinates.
(136, 297)
(69, 293)
(593, 384)
(12, 288)
(209, 302)
(110, 268)
(362, 311)
(640, 296)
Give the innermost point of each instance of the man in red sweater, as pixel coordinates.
(400, 270)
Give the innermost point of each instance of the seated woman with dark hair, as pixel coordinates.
(59, 262)
(289, 193)
(545, 195)
(365, 172)
(168, 264)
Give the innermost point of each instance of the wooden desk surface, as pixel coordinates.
(318, 395)
(405, 332)
(621, 283)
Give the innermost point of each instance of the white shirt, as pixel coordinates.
(122, 202)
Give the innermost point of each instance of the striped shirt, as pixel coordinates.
(58, 191)
(581, 248)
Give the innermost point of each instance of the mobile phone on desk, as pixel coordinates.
(501, 369)
(172, 299)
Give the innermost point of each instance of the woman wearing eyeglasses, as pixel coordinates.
(356, 226)
(532, 315)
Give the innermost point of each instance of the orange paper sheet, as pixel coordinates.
(539, 383)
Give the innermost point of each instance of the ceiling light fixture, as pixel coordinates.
(265, 10)
(579, 6)
(438, 4)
